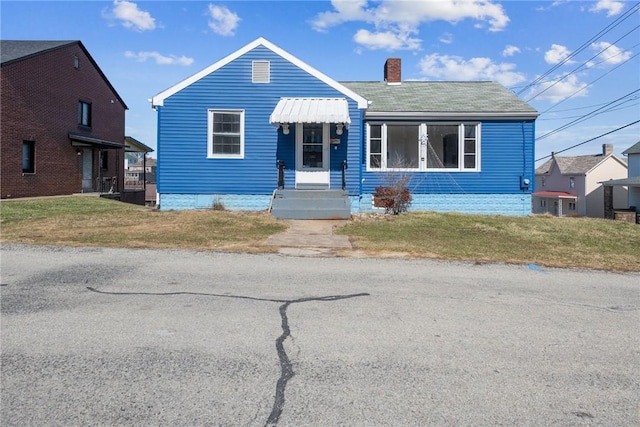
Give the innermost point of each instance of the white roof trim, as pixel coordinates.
(311, 110)
(158, 100)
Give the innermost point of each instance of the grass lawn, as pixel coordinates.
(542, 240)
(92, 221)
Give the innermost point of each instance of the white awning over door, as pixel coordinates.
(311, 110)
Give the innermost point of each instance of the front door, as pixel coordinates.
(87, 170)
(312, 155)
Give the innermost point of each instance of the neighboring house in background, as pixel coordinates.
(571, 185)
(140, 176)
(631, 182)
(260, 129)
(141, 172)
(62, 121)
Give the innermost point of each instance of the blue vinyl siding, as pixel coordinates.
(183, 166)
(507, 149)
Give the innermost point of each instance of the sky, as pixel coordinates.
(576, 62)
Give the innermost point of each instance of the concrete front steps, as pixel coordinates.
(311, 204)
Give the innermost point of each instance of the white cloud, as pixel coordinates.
(386, 40)
(556, 92)
(446, 38)
(159, 58)
(131, 17)
(510, 50)
(612, 7)
(610, 53)
(403, 18)
(345, 11)
(449, 67)
(557, 54)
(223, 21)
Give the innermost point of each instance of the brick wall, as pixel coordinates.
(393, 70)
(40, 98)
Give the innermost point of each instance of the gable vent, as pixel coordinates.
(260, 71)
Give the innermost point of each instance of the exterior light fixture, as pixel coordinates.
(285, 128)
(339, 127)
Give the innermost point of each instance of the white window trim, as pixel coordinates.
(210, 154)
(422, 158)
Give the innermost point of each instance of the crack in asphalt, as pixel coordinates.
(286, 367)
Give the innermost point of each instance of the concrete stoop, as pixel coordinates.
(311, 204)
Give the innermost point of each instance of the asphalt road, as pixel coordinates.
(141, 337)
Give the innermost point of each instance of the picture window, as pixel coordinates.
(423, 146)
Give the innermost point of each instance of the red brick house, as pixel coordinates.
(62, 122)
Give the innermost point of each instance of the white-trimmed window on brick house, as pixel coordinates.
(226, 134)
(260, 71)
(28, 157)
(451, 147)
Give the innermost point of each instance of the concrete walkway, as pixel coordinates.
(309, 237)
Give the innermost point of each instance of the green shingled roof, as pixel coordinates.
(441, 97)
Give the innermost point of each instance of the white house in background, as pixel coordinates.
(632, 181)
(572, 185)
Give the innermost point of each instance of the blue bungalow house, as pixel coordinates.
(260, 129)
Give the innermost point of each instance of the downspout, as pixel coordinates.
(158, 110)
(525, 175)
(363, 154)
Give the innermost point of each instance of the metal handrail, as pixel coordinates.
(344, 174)
(280, 165)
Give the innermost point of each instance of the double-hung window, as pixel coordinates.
(423, 146)
(226, 134)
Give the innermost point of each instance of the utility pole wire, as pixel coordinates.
(589, 140)
(609, 110)
(585, 116)
(605, 30)
(589, 84)
(583, 66)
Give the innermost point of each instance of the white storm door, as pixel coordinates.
(312, 155)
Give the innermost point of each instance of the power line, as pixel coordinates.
(585, 116)
(584, 66)
(588, 140)
(619, 107)
(582, 47)
(589, 84)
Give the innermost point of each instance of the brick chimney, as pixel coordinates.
(393, 71)
(607, 149)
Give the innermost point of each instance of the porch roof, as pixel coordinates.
(86, 141)
(311, 110)
(632, 181)
(555, 195)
